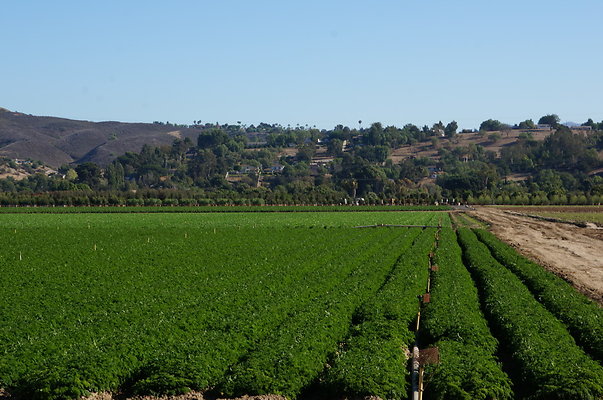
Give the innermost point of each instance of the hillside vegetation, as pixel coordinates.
(112, 163)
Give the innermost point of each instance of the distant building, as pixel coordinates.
(275, 169)
(249, 169)
(582, 128)
(321, 160)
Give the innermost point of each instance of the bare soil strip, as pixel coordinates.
(572, 252)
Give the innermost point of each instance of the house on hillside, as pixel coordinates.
(581, 128)
(321, 160)
(250, 169)
(275, 169)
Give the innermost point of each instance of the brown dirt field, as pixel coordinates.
(574, 253)
(16, 175)
(426, 149)
(175, 134)
(20, 173)
(288, 151)
(565, 209)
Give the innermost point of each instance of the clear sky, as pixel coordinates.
(303, 62)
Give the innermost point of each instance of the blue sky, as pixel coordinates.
(303, 62)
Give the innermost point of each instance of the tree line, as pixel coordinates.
(229, 164)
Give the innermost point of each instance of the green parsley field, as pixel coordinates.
(286, 303)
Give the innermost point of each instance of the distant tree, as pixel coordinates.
(491, 125)
(376, 154)
(211, 138)
(115, 175)
(451, 129)
(527, 124)
(551, 119)
(71, 175)
(203, 166)
(494, 137)
(563, 149)
(409, 170)
(88, 173)
(305, 152)
(375, 135)
(549, 181)
(335, 147)
(437, 129)
(526, 136)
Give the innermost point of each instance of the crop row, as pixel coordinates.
(269, 305)
(373, 359)
(261, 303)
(583, 317)
(453, 322)
(89, 309)
(183, 222)
(294, 354)
(544, 358)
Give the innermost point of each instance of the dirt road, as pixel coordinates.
(574, 253)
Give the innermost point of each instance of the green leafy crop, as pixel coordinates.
(546, 361)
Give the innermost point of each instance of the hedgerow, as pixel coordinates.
(583, 317)
(546, 361)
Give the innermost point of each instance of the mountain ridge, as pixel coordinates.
(56, 141)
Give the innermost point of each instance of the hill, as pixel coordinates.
(57, 141)
(284, 165)
(429, 149)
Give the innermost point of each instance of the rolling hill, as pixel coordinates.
(57, 141)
